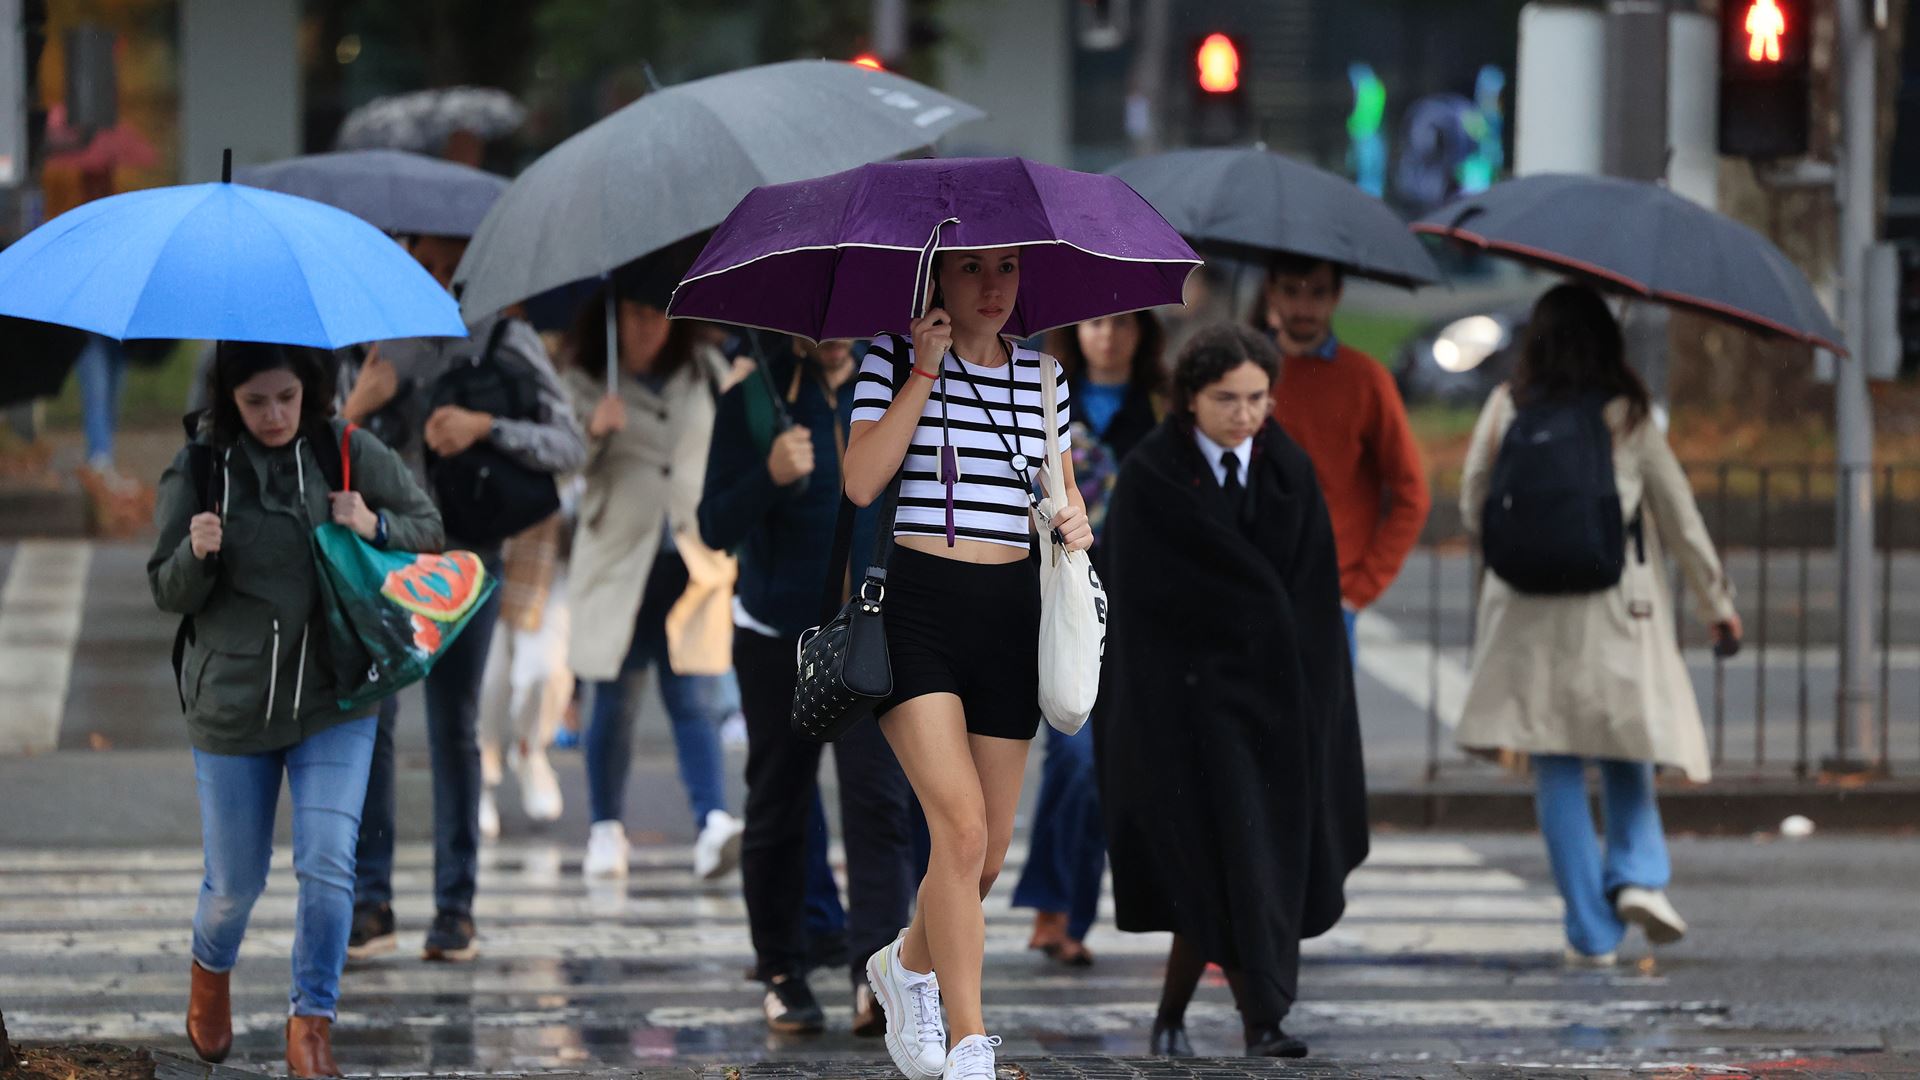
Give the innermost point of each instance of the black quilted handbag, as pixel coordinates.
(844, 673)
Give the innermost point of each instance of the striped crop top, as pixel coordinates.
(990, 499)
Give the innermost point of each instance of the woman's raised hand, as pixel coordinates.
(932, 337)
(204, 532)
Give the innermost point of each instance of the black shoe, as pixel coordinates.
(451, 939)
(791, 1008)
(372, 933)
(1267, 1040)
(1169, 1040)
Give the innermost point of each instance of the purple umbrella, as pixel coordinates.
(846, 256)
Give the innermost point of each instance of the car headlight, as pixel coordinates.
(1465, 344)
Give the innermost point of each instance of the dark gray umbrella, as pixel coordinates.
(677, 161)
(1249, 202)
(392, 190)
(1643, 240)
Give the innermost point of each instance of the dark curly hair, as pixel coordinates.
(1213, 352)
(235, 362)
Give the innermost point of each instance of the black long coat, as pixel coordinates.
(1229, 748)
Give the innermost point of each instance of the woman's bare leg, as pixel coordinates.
(948, 935)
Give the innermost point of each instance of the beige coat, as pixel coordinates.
(1596, 675)
(637, 480)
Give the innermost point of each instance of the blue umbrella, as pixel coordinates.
(225, 262)
(392, 190)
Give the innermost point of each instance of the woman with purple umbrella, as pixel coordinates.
(952, 411)
(965, 613)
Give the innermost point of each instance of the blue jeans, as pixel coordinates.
(1067, 855)
(453, 719)
(101, 366)
(696, 704)
(1353, 642)
(1636, 852)
(238, 796)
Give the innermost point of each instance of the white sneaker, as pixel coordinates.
(539, 787)
(718, 850)
(971, 1059)
(916, 1034)
(1650, 910)
(606, 851)
(1579, 961)
(489, 815)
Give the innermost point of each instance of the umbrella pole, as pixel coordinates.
(613, 344)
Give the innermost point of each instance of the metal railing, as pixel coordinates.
(1775, 711)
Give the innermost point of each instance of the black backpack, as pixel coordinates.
(485, 496)
(1552, 524)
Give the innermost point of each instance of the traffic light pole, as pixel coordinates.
(1854, 744)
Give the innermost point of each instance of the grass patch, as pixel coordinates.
(1376, 334)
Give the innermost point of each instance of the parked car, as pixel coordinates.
(1458, 360)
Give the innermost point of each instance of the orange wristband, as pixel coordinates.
(929, 376)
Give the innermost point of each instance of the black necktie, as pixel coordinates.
(1236, 493)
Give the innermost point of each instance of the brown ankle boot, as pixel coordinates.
(310, 1047)
(209, 1015)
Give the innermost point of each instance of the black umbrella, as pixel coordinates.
(392, 190)
(35, 358)
(1248, 203)
(1643, 240)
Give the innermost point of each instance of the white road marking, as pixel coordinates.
(39, 623)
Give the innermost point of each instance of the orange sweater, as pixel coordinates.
(1347, 415)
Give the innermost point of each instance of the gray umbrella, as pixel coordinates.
(1250, 202)
(676, 162)
(1646, 241)
(423, 120)
(392, 190)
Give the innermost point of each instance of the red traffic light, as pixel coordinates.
(1218, 60)
(1765, 25)
(868, 60)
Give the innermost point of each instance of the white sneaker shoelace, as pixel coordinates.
(924, 995)
(973, 1059)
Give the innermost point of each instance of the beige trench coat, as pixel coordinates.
(1596, 675)
(637, 480)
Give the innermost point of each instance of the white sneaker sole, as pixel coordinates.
(727, 860)
(378, 946)
(1658, 929)
(878, 982)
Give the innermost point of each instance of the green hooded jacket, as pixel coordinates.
(256, 676)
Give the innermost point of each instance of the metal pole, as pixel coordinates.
(1853, 419)
(890, 30)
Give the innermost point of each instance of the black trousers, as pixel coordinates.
(782, 772)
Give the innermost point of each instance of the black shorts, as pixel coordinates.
(970, 630)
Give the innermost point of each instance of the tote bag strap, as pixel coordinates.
(1050, 416)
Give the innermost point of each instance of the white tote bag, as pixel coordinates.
(1073, 605)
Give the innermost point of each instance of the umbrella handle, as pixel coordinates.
(923, 271)
(613, 343)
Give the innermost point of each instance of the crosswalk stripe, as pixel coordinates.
(94, 944)
(39, 623)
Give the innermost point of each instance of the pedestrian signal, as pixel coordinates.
(1766, 72)
(868, 60)
(1218, 113)
(1219, 62)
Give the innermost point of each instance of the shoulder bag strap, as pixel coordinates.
(834, 597)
